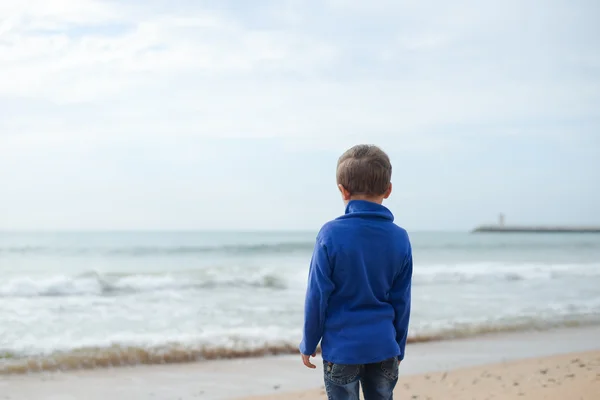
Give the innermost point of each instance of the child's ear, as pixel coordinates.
(388, 192)
(345, 194)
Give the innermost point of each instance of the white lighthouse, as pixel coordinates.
(501, 219)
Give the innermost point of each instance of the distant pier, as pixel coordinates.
(501, 227)
(536, 229)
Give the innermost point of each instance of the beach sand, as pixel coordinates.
(489, 367)
(574, 376)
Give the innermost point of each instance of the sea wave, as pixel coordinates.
(507, 243)
(97, 284)
(94, 284)
(152, 251)
(117, 354)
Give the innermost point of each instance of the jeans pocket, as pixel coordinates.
(341, 374)
(389, 368)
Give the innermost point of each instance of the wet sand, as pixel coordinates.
(285, 376)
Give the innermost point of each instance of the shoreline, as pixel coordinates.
(226, 379)
(121, 356)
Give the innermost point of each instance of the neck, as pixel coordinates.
(372, 199)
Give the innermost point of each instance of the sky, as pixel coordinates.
(224, 114)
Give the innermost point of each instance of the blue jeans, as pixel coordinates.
(342, 382)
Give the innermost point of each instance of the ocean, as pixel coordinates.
(91, 300)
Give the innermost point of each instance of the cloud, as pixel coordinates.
(84, 84)
(209, 71)
(57, 56)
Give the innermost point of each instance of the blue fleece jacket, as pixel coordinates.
(359, 287)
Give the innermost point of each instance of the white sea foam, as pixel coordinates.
(493, 271)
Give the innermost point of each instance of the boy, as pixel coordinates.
(359, 286)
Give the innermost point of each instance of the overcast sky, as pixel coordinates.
(230, 114)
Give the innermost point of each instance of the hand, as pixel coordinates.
(306, 361)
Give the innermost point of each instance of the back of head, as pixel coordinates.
(364, 170)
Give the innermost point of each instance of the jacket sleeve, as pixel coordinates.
(401, 299)
(320, 286)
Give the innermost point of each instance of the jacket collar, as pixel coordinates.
(368, 209)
